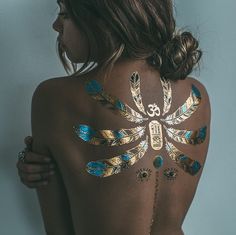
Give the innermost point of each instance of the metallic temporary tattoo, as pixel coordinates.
(109, 137)
(170, 173)
(114, 165)
(187, 136)
(96, 91)
(135, 91)
(186, 163)
(166, 85)
(158, 161)
(155, 110)
(186, 110)
(143, 174)
(155, 135)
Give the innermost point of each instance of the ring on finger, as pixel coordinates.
(21, 155)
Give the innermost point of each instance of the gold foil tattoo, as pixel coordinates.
(186, 110)
(135, 91)
(96, 91)
(153, 127)
(186, 163)
(187, 136)
(167, 92)
(155, 131)
(111, 166)
(109, 137)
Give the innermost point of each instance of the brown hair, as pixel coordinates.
(138, 29)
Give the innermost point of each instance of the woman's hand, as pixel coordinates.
(36, 169)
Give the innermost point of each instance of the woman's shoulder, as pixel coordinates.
(205, 98)
(58, 87)
(52, 83)
(49, 96)
(196, 82)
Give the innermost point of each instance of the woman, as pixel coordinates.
(129, 133)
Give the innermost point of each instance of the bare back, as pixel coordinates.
(140, 198)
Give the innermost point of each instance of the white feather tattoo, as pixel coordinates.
(135, 91)
(186, 110)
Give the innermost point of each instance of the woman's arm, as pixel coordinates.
(54, 203)
(36, 169)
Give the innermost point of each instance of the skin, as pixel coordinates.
(67, 202)
(72, 39)
(37, 169)
(72, 154)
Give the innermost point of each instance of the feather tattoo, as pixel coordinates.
(96, 91)
(114, 165)
(135, 91)
(166, 85)
(109, 137)
(184, 162)
(187, 136)
(186, 110)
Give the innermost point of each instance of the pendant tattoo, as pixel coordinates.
(156, 135)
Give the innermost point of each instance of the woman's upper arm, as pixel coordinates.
(54, 203)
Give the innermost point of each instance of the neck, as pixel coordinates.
(125, 67)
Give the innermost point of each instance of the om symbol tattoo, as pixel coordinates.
(154, 109)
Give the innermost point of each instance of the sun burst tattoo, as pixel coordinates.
(143, 174)
(170, 173)
(151, 123)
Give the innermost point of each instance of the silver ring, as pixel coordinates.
(21, 155)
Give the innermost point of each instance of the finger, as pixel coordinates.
(36, 158)
(36, 177)
(28, 140)
(35, 184)
(35, 168)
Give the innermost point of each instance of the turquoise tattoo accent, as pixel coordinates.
(186, 110)
(109, 137)
(186, 163)
(93, 87)
(114, 165)
(96, 91)
(85, 132)
(190, 166)
(187, 136)
(158, 162)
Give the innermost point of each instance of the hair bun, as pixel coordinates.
(179, 56)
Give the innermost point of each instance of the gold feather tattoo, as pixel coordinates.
(114, 165)
(187, 136)
(186, 163)
(166, 86)
(109, 137)
(96, 91)
(186, 110)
